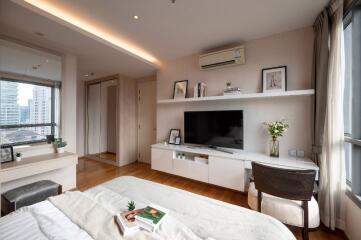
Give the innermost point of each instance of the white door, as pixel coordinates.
(146, 119)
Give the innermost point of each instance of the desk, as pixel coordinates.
(222, 169)
(58, 167)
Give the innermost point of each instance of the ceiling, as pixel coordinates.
(93, 56)
(23, 60)
(165, 30)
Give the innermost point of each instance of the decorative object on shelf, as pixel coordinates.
(177, 140)
(18, 156)
(50, 138)
(174, 133)
(199, 90)
(131, 205)
(276, 129)
(180, 89)
(229, 90)
(274, 79)
(59, 144)
(6, 153)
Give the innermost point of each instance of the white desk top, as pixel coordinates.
(282, 161)
(31, 161)
(35, 165)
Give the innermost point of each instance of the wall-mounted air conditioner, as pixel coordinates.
(224, 58)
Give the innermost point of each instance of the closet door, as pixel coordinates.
(93, 118)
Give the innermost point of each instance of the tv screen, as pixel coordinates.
(214, 128)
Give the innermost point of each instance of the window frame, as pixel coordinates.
(354, 186)
(52, 124)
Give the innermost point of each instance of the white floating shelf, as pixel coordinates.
(307, 92)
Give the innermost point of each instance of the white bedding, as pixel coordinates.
(207, 218)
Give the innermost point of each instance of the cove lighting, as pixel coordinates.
(51, 8)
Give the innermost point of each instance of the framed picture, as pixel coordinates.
(180, 89)
(177, 140)
(174, 133)
(274, 79)
(6, 154)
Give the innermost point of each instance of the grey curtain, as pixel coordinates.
(319, 75)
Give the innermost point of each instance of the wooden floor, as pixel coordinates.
(105, 156)
(91, 173)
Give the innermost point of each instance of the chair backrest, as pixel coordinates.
(284, 183)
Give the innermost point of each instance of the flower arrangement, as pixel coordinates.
(59, 143)
(276, 128)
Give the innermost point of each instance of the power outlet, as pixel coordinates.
(292, 152)
(300, 153)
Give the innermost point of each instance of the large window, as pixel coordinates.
(352, 99)
(28, 112)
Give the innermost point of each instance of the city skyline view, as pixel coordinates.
(22, 103)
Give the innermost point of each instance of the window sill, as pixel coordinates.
(32, 147)
(354, 198)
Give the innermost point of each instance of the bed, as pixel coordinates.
(87, 215)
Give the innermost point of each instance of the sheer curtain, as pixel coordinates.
(332, 175)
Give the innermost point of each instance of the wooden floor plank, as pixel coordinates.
(91, 173)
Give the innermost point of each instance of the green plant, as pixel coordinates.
(18, 154)
(276, 128)
(59, 143)
(131, 205)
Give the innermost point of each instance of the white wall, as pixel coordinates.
(68, 102)
(293, 49)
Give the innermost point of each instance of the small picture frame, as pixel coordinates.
(180, 89)
(274, 79)
(6, 153)
(177, 141)
(173, 134)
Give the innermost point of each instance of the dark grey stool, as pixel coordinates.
(28, 194)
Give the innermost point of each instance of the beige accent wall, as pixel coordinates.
(293, 49)
(127, 123)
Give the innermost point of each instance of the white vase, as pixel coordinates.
(60, 150)
(17, 159)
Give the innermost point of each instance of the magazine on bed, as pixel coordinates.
(126, 222)
(151, 217)
(148, 218)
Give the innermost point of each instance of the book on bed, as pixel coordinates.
(151, 217)
(126, 222)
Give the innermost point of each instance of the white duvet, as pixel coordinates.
(206, 218)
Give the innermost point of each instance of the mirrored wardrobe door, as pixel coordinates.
(108, 120)
(93, 120)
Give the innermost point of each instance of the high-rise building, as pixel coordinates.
(9, 108)
(24, 114)
(40, 108)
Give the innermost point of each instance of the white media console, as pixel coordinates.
(215, 167)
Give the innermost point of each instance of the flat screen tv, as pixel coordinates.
(214, 128)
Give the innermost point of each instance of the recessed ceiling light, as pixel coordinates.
(105, 35)
(88, 74)
(136, 17)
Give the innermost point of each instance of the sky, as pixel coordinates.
(25, 92)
